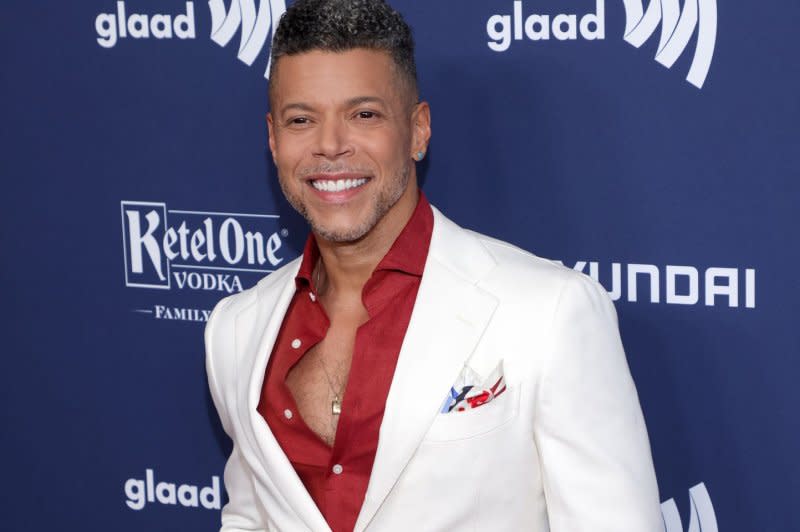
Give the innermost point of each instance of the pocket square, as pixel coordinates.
(471, 391)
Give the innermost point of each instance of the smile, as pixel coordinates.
(337, 185)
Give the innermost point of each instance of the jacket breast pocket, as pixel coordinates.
(454, 426)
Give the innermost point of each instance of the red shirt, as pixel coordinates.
(337, 478)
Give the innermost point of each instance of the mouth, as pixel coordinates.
(338, 183)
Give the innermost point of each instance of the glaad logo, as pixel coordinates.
(701, 512)
(677, 28)
(538, 27)
(140, 492)
(198, 250)
(255, 25)
(113, 26)
(681, 284)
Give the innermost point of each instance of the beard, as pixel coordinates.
(386, 198)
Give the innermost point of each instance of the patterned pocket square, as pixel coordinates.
(470, 391)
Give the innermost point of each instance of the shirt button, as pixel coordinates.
(338, 469)
(287, 413)
(312, 296)
(296, 343)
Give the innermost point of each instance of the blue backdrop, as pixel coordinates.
(140, 192)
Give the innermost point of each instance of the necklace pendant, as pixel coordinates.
(336, 407)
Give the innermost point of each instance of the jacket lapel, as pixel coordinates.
(448, 320)
(256, 329)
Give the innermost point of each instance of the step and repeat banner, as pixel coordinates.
(651, 145)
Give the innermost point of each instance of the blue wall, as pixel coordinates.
(585, 150)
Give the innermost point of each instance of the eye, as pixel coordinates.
(367, 115)
(297, 122)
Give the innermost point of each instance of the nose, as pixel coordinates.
(332, 140)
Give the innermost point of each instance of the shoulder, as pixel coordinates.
(511, 257)
(232, 318)
(507, 271)
(520, 273)
(226, 310)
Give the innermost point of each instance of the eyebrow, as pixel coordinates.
(296, 106)
(352, 102)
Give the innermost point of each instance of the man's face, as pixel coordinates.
(343, 131)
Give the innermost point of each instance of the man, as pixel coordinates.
(405, 373)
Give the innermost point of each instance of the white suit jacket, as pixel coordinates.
(564, 449)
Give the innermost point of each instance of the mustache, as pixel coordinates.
(334, 168)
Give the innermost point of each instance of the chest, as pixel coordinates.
(319, 379)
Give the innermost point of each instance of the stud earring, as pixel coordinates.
(420, 155)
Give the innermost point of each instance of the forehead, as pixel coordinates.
(334, 76)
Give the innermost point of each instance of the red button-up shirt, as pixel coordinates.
(337, 477)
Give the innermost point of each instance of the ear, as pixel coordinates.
(271, 134)
(420, 128)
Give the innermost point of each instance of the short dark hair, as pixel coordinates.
(342, 25)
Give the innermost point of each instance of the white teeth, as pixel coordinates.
(328, 185)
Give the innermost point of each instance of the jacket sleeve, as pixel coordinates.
(241, 512)
(597, 468)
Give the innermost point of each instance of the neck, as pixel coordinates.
(345, 267)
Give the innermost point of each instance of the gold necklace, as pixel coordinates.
(336, 404)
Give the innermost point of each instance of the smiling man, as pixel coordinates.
(405, 372)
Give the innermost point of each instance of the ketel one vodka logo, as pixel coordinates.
(198, 250)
